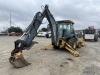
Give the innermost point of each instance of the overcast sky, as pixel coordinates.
(83, 12)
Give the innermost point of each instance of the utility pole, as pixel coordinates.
(10, 19)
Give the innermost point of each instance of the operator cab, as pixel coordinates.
(65, 29)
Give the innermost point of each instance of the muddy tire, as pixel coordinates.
(73, 43)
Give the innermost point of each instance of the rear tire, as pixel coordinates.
(72, 42)
(96, 40)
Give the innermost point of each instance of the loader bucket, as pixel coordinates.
(18, 61)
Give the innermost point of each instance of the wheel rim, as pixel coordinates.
(74, 45)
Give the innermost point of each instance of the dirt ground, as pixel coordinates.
(51, 62)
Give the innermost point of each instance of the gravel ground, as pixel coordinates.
(51, 62)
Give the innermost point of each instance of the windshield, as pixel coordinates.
(63, 27)
(89, 31)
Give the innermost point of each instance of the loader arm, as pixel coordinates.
(25, 41)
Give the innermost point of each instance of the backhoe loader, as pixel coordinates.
(62, 36)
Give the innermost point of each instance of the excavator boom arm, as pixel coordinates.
(31, 31)
(26, 40)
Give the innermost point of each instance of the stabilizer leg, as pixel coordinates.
(64, 44)
(74, 52)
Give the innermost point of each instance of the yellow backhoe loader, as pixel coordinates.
(62, 36)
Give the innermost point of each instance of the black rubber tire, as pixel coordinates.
(47, 36)
(96, 39)
(55, 47)
(71, 42)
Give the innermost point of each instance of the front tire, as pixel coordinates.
(96, 39)
(47, 36)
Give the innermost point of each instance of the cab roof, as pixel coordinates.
(65, 21)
